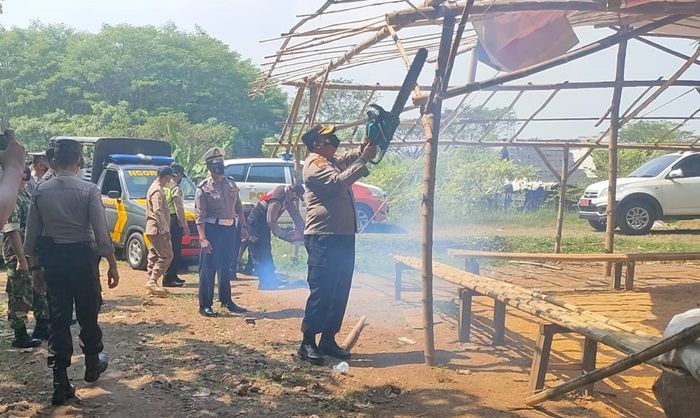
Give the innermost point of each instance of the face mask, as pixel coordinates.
(216, 167)
(333, 141)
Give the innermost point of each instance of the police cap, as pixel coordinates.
(178, 170)
(316, 132)
(216, 152)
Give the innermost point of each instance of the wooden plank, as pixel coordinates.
(617, 277)
(629, 277)
(663, 256)
(540, 359)
(536, 256)
(590, 352)
(464, 320)
(499, 323)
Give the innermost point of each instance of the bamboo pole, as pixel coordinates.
(534, 115)
(562, 200)
(560, 60)
(665, 49)
(431, 125)
(354, 335)
(534, 144)
(683, 338)
(578, 85)
(291, 118)
(612, 149)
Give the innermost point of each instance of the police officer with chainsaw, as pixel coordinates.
(218, 212)
(66, 231)
(329, 238)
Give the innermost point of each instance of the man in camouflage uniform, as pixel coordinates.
(22, 295)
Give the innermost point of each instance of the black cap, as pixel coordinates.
(315, 132)
(164, 171)
(178, 170)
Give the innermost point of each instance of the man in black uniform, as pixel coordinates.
(329, 237)
(262, 224)
(66, 231)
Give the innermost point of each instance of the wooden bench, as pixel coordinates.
(559, 316)
(618, 260)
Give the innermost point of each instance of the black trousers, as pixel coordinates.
(71, 279)
(331, 264)
(176, 233)
(225, 242)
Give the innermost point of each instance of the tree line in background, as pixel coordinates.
(144, 81)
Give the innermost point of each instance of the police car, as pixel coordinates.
(123, 180)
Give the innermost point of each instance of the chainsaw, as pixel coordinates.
(381, 125)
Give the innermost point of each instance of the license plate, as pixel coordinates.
(584, 202)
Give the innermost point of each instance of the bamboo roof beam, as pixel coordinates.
(505, 111)
(533, 143)
(665, 49)
(528, 87)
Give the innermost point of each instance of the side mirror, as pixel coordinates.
(113, 194)
(675, 173)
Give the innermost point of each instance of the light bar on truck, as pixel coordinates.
(139, 159)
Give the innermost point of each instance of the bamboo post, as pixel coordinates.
(612, 151)
(431, 125)
(562, 199)
(683, 338)
(354, 335)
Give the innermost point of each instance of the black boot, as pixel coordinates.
(95, 365)
(329, 347)
(23, 340)
(41, 329)
(62, 389)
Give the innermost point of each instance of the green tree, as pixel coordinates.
(46, 68)
(641, 132)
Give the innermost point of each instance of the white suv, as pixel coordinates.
(667, 187)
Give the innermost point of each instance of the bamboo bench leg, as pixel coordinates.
(590, 351)
(629, 277)
(499, 323)
(465, 315)
(471, 265)
(397, 281)
(617, 276)
(540, 360)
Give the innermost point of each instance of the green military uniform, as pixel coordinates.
(21, 295)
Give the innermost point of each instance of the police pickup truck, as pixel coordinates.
(123, 169)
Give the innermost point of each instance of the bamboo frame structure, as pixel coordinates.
(310, 56)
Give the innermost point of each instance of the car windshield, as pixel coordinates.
(654, 167)
(139, 180)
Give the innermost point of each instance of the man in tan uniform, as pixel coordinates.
(178, 224)
(158, 231)
(329, 237)
(218, 212)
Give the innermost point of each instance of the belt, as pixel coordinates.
(221, 221)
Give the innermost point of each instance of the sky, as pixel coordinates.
(243, 24)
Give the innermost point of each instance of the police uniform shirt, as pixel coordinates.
(216, 201)
(277, 202)
(69, 210)
(157, 216)
(330, 207)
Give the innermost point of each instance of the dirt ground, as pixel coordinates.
(166, 360)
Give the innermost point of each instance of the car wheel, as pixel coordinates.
(136, 252)
(636, 217)
(597, 225)
(363, 215)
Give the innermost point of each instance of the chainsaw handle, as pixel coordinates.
(378, 160)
